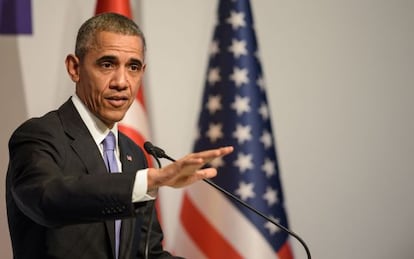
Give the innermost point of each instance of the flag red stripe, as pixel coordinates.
(204, 235)
(285, 252)
(137, 138)
(140, 96)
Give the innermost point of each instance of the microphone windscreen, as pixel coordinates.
(149, 147)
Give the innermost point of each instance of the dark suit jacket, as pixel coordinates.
(62, 202)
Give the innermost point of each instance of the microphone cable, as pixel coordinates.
(159, 153)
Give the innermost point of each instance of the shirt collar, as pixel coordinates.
(95, 126)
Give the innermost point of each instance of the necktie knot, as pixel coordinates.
(109, 142)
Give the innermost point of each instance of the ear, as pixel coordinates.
(72, 67)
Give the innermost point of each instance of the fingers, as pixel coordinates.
(216, 152)
(187, 170)
(207, 173)
(222, 152)
(201, 158)
(211, 154)
(192, 178)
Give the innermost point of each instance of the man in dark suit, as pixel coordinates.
(61, 200)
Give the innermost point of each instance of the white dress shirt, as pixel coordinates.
(99, 131)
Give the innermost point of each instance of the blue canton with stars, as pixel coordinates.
(235, 112)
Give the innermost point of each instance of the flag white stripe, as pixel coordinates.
(184, 243)
(136, 118)
(224, 216)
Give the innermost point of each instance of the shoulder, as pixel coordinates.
(127, 142)
(42, 135)
(49, 122)
(44, 124)
(46, 128)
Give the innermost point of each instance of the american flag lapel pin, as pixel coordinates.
(129, 158)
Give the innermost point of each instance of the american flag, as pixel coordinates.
(235, 112)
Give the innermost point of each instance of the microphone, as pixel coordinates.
(157, 152)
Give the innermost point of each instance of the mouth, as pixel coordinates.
(117, 101)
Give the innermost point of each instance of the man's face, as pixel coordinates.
(110, 75)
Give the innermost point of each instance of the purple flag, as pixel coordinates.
(15, 17)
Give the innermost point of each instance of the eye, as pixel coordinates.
(106, 65)
(135, 67)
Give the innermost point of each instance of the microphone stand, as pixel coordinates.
(151, 216)
(158, 152)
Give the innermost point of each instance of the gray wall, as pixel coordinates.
(339, 81)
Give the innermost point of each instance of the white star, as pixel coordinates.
(241, 104)
(244, 162)
(213, 76)
(239, 76)
(236, 20)
(264, 111)
(217, 162)
(214, 132)
(269, 167)
(270, 196)
(266, 139)
(260, 83)
(238, 48)
(245, 191)
(272, 227)
(242, 133)
(213, 104)
(214, 48)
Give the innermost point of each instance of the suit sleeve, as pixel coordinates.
(50, 184)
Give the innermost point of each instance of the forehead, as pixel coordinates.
(116, 43)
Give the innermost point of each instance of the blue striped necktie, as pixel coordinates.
(112, 166)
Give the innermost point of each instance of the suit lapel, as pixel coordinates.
(82, 141)
(84, 145)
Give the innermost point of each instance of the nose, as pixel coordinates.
(120, 79)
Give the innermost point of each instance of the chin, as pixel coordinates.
(114, 118)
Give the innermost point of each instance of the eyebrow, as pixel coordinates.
(114, 58)
(106, 58)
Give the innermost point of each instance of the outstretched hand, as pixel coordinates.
(186, 170)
